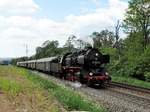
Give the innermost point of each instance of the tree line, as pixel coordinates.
(130, 56)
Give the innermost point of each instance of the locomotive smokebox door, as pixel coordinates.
(106, 58)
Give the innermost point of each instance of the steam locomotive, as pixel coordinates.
(85, 66)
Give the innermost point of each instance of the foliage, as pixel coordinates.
(73, 43)
(147, 76)
(133, 63)
(138, 19)
(135, 49)
(105, 38)
(70, 99)
(82, 44)
(69, 43)
(49, 48)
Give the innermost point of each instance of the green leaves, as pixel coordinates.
(49, 48)
(137, 19)
(105, 38)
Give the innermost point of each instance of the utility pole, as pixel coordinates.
(27, 51)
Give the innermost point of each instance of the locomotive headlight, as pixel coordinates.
(106, 73)
(90, 73)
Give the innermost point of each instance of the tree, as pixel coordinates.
(38, 50)
(138, 19)
(82, 44)
(105, 38)
(118, 42)
(96, 39)
(69, 45)
(46, 43)
(117, 28)
(49, 48)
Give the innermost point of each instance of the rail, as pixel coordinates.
(131, 87)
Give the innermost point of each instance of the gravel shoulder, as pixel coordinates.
(112, 99)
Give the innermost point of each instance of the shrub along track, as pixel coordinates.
(113, 98)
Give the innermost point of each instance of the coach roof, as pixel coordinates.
(46, 59)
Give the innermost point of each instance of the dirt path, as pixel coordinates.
(5, 105)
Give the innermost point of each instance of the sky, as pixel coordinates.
(31, 22)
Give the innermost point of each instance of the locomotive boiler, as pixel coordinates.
(87, 66)
(87, 58)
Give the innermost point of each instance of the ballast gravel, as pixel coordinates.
(113, 101)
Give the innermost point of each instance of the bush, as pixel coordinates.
(147, 76)
(142, 66)
(136, 66)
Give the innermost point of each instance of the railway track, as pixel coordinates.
(113, 98)
(130, 87)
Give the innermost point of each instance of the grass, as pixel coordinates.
(70, 99)
(8, 84)
(131, 81)
(11, 87)
(15, 87)
(27, 82)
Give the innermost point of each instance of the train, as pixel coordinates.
(86, 66)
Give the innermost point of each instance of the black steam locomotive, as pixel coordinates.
(85, 66)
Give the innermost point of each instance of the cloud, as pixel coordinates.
(21, 30)
(20, 7)
(100, 19)
(17, 29)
